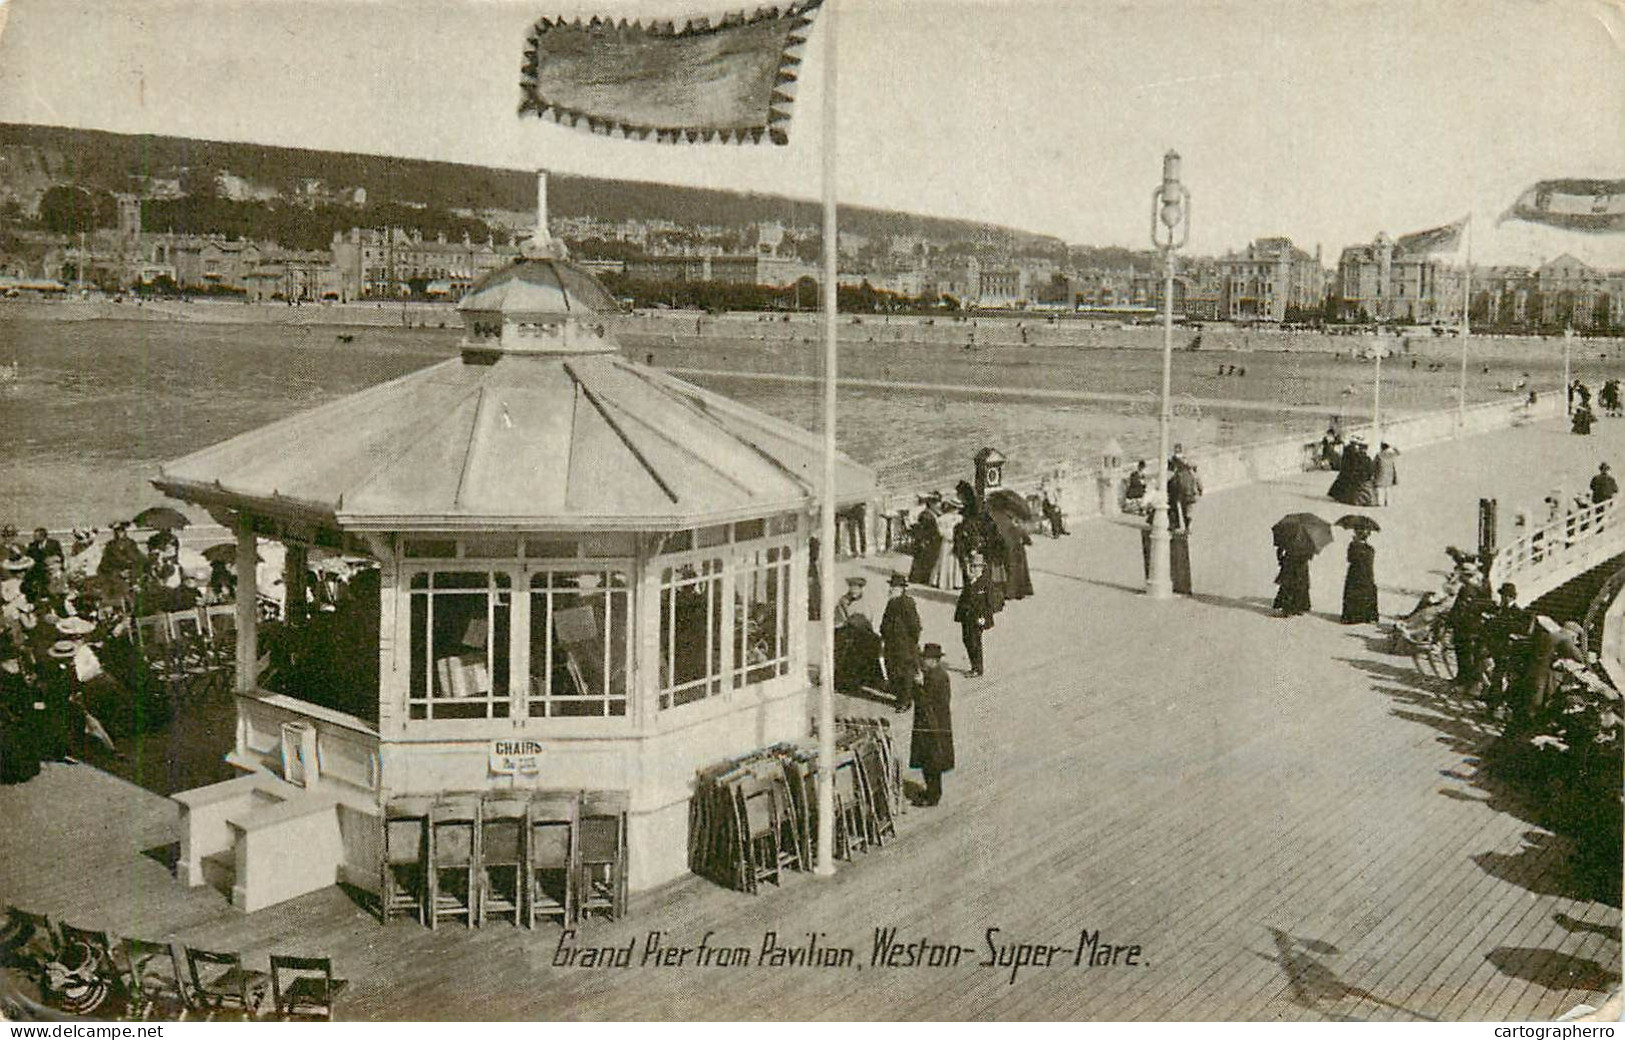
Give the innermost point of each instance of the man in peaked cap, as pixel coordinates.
(900, 642)
(122, 556)
(847, 605)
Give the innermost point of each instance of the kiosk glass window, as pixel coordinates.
(690, 632)
(761, 624)
(578, 644)
(460, 642)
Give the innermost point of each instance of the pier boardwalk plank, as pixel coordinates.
(1285, 819)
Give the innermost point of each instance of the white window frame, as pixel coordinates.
(624, 593)
(725, 544)
(491, 590)
(710, 569)
(519, 568)
(750, 560)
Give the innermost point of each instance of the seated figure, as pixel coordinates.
(857, 656)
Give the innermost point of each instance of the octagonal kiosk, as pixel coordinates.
(589, 575)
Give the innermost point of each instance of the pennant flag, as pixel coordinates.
(1576, 205)
(1434, 240)
(732, 81)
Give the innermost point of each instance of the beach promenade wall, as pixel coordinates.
(857, 332)
(236, 312)
(1096, 491)
(681, 328)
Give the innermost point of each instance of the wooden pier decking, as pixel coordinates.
(1287, 820)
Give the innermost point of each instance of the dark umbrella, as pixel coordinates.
(1356, 522)
(226, 552)
(1302, 532)
(1006, 501)
(160, 518)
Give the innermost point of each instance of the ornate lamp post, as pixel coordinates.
(1171, 207)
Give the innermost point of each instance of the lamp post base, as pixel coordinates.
(1159, 583)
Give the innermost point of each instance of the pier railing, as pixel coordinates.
(1559, 550)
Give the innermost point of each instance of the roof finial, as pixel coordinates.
(541, 244)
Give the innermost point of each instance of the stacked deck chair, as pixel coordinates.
(755, 817)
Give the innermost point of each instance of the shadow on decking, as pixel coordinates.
(1575, 925)
(1552, 970)
(1547, 863)
(1311, 984)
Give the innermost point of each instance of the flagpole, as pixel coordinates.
(1466, 305)
(826, 543)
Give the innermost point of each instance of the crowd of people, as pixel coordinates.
(1503, 656)
(70, 670)
(975, 548)
(1363, 478)
(1183, 491)
(74, 670)
(1581, 415)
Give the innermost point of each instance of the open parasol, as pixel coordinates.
(1303, 533)
(160, 518)
(1357, 522)
(1006, 501)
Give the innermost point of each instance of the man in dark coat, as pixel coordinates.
(122, 556)
(931, 748)
(857, 648)
(1184, 488)
(1603, 485)
(1507, 639)
(974, 614)
(44, 547)
(900, 643)
(1467, 629)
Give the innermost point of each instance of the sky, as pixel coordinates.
(1323, 120)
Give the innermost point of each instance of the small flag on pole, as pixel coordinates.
(1575, 205)
(1442, 239)
(733, 81)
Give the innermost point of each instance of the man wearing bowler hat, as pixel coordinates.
(931, 747)
(900, 642)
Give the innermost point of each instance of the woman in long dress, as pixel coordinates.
(947, 574)
(1352, 478)
(1360, 584)
(1292, 596)
(928, 544)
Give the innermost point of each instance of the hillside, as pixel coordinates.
(33, 158)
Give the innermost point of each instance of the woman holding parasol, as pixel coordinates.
(1360, 582)
(1298, 537)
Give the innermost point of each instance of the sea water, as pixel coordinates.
(96, 406)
